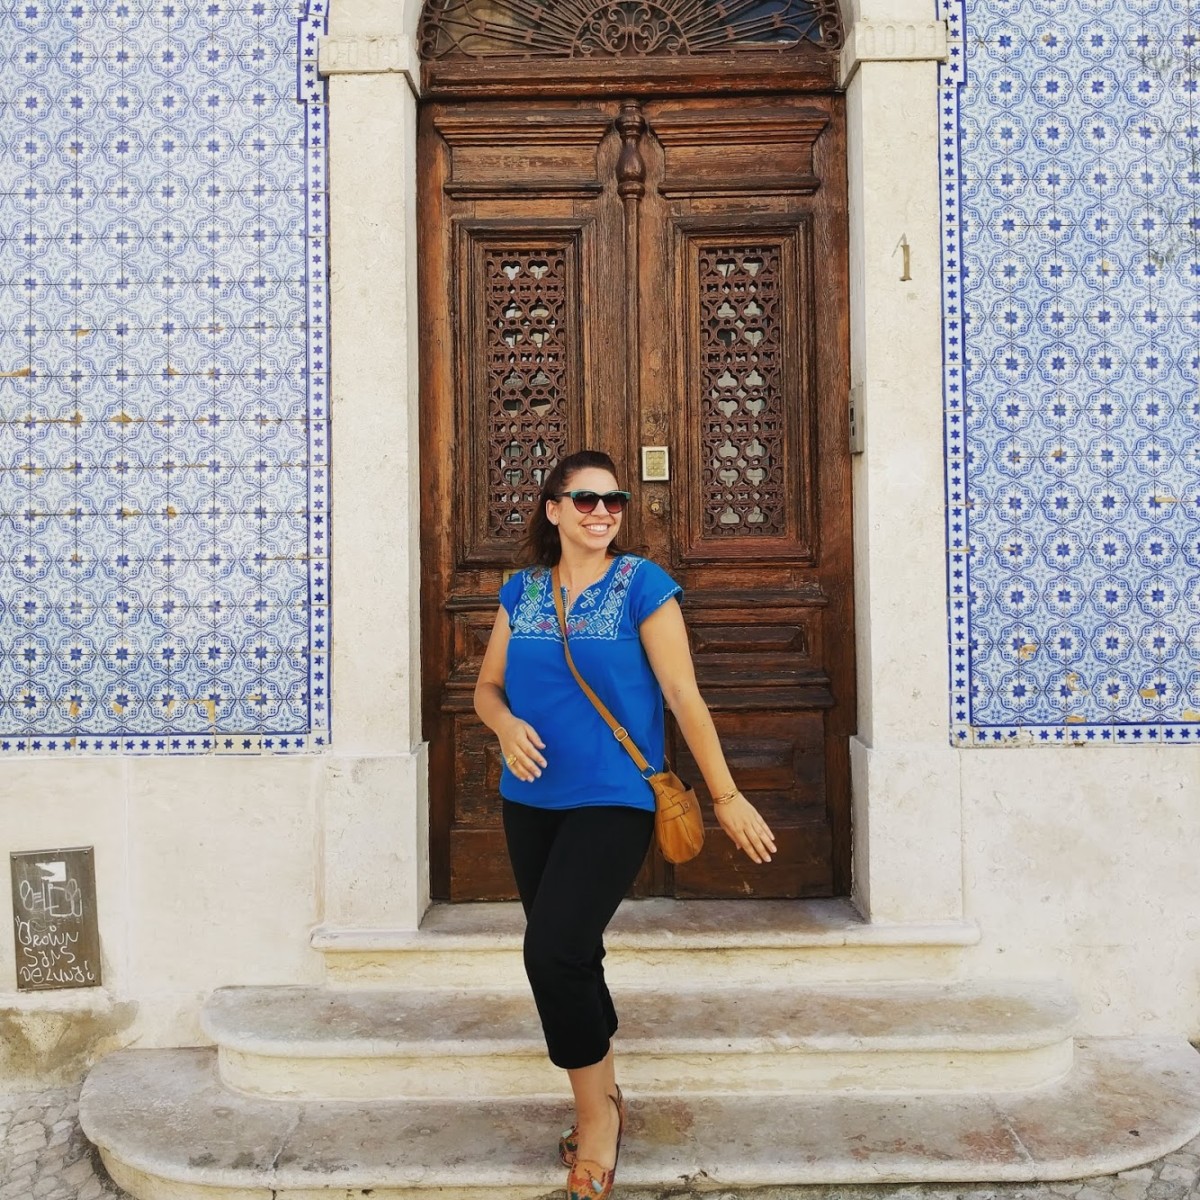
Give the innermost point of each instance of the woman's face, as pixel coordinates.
(586, 531)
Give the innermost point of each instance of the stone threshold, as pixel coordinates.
(655, 944)
(662, 923)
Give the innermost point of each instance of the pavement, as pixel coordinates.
(44, 1156)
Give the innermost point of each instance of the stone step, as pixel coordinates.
(325, 1043)
(168, 1130)
(655, 943)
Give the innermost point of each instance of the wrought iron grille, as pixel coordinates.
(623, 28)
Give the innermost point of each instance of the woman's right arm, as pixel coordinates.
(519, 741)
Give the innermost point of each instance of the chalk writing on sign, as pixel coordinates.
(57, 939)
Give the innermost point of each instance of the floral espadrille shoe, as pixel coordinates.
(589, 1180)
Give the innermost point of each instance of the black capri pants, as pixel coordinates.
(572, 867)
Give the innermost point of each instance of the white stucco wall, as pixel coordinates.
(1082, 865)
(206, 874)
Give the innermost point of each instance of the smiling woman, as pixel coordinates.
(578, 815)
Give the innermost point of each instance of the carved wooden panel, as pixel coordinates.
(754, 651)
(766, 148)
(477, 767)
(507, 151)
(521, 347)
(749, 401)
(783, 634)
(470, 632)
(589, 29)
(777, 760)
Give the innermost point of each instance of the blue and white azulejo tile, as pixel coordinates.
(163, 415)
(1071, 256)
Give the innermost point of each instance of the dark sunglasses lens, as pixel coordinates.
(586, 502)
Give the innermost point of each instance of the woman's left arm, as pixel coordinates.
(664, 637)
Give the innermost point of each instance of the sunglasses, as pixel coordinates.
(585, 502)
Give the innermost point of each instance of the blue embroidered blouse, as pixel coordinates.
(586, 765)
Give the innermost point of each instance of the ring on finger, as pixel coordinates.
(511, 760)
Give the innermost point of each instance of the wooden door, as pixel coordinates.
(621, 274)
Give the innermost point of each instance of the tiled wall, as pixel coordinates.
(163, 425)
(162, 377)
(1071, 190)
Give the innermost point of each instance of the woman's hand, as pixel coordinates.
(746, 829)
(521, 747)
(519, 741)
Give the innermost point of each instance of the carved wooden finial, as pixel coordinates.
(631, 167)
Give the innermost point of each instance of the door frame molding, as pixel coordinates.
(372, 788)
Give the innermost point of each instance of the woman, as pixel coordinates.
(578, 816)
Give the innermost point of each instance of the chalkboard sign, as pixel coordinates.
(54, 910)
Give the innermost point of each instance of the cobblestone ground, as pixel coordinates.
(44, 1156)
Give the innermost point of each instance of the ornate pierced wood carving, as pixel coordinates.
(527, 361)
(742, 411)
(475, 29)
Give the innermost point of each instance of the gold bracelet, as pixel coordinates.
(725, 797)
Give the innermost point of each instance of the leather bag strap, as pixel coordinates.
(619, 731)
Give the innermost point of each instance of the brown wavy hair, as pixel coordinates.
(542, 546)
